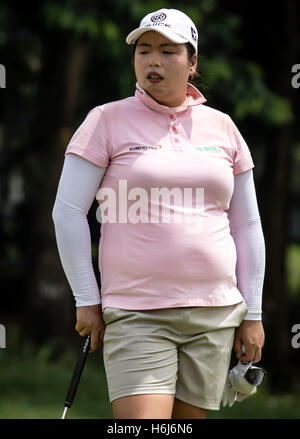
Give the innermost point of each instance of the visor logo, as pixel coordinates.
(194, 35)
(158, 17)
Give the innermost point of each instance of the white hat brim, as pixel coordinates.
(135, 34)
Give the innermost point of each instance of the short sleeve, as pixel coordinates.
(242, 159)
(90, 140)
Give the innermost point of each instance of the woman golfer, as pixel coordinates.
(181, 253)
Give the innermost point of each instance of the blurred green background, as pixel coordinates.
(63, 58)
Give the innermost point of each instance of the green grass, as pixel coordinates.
(33, 387)
(262, 406)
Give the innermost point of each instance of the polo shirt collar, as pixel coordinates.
(194, 97)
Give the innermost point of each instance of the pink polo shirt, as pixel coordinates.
(165, 237)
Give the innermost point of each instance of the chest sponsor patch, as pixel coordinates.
(209, 148)
(143, 147)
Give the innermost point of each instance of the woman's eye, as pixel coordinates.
(170, 53)
(142, 53)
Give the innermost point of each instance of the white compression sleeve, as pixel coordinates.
(78, 185)
(247, 233)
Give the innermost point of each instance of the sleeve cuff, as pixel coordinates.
(253, 316)
(87, 301)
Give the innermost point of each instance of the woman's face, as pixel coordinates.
(162, 68)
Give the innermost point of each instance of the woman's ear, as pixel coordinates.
(193, 65)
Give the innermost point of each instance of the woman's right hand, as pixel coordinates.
(90, 321)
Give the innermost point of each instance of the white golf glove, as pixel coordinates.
(241, 382)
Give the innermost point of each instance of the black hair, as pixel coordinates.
(194, 79)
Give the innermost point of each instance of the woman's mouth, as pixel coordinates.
(154, 78)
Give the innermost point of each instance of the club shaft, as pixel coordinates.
(76, 375)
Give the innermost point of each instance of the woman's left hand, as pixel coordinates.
(250, 334)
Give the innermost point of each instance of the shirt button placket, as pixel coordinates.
(173, 132)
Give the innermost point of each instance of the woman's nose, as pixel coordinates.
(154, 61)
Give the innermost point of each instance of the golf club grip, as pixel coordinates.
(77, 372)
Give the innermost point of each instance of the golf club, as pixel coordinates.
(76, 375)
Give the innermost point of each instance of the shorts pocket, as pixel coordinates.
(110, 314)
(107, 315)
(244, 310)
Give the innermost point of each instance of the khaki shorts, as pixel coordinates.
(181, 351)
